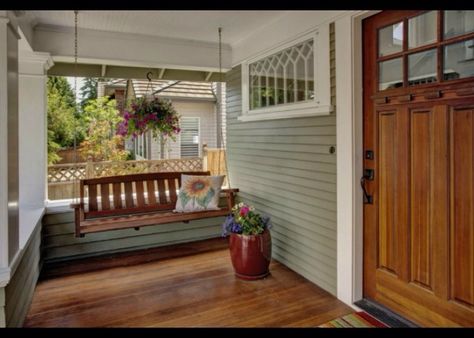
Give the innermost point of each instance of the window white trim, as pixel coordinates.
(140, 145)
(321, 103)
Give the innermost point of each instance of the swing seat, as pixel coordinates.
(148, 199)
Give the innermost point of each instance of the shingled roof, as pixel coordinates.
(170, 89)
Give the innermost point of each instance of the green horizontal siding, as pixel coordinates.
(284, 168)
(18, 293)
(60, 243)
(3, 321)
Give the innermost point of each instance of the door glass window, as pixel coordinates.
(458, 23)
(431, 53)
(422, 29)
(459, 60)
(390, 74)
(391, 39)
(422, 67)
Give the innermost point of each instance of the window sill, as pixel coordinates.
(29, 218)
(287, 112)
(59, 206)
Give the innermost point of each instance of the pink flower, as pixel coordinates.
(244, 210)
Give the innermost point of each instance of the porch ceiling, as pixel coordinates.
(179, 45)
(189, 25)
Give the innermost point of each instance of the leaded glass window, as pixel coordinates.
(282, 78)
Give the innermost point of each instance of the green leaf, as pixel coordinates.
(206, 199)
(184, 198)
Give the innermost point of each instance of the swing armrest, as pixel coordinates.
(230, 195)
(78, 216)
(228, 191)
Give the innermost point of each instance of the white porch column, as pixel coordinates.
(9, 180)
(33, 154)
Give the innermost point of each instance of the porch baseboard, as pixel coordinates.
(52, 269)
(383, 314)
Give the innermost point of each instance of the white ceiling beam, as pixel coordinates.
(162, 72)
(125, 49)
(208, 76)
(90, 70)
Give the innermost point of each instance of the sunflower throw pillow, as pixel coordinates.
(199, 193)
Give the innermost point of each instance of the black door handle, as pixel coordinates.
(368, 175)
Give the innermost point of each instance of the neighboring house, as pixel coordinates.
(196, 102)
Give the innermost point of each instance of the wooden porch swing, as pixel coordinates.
(136, 207)
(155, 206)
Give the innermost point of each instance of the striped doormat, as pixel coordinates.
(356, 319)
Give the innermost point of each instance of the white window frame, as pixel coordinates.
(141, 142)
(321, 103)
(199, 136)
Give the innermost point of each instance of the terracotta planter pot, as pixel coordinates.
(251, 255)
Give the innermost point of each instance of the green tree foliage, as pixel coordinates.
(61, 84)
(61, 116)
(53, 149)
(101, 142)
(88, 90)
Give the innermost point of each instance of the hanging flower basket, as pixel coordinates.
(150, 114)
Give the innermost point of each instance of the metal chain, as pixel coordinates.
(75, 183)
(220, 111)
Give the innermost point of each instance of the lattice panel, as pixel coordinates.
(66, 172)
(188, 164)
(69, 173)
(103, 169)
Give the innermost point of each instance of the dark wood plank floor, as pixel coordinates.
(159, 289)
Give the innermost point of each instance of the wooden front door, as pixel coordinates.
(419, 144)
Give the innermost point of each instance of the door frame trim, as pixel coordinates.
(349, 140)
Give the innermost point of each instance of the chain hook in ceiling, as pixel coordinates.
(148, 76)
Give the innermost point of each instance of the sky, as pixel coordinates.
(80, 81)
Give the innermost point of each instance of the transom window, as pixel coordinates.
(433, 46)
(284, 77)
(290, 80)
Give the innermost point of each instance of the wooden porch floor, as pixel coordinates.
(160, 288)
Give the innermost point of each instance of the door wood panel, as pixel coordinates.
(462, 232)
(387, 224)
(419, 230)
(421, 202)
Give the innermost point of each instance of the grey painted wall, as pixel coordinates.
(283, 167)
(16, 297)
